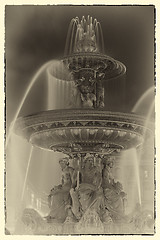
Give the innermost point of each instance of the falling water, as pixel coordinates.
(25, 180)
(63, 85)
(51, 98)
(140, 107)
(17, 158)
(99, 35)
(20, 191)
(25, 185)
(143, 98)
(137, 175)
(79, 31)
(60, 95)
(53, 94)
(40, 182)
(149, 118)
(69, 40)
(59, 86)
(33, 80)
(149, 141)
(130, 177)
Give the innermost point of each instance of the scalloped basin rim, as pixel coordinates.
(86, 112)
(88, 129)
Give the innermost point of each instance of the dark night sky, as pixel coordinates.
(36, 34)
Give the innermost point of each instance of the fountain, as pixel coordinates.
(91, 141)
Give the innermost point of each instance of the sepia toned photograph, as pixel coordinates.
(80, 120)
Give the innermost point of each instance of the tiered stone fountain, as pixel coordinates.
(88, 200)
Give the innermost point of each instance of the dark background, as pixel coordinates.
(37, 34)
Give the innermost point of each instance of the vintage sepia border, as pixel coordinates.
(2, 117)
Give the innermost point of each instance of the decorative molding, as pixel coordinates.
(53, 130)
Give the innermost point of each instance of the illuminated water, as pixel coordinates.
(25, 180)
(78, 29)
(147, 97)
(32, 82)
(30, 170)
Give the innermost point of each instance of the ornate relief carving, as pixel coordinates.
(86, 130)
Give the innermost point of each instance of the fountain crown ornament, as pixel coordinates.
(85, 35)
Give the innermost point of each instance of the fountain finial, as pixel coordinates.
(85, 36)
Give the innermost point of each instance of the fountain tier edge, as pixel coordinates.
(73, 131)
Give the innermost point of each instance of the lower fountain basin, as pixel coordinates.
(32, 223)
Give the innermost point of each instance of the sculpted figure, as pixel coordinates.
(89, 195)
(100, 93)
(113, 192)
(108, 179)
(59, 196)
(88, 100)
(91, 174)
(67, 173)
(88, 91)
(83, 93)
